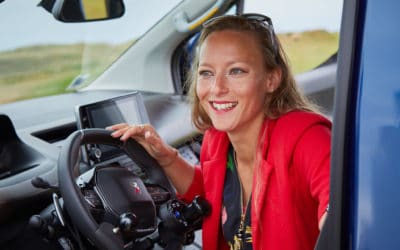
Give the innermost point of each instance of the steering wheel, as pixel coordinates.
(119, 189)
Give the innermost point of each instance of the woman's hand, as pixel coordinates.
(180, 173)
(146, 135)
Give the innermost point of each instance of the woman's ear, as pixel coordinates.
(274, 78)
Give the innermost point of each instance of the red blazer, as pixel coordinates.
(290, 187)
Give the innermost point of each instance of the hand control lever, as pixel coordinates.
(39, 182)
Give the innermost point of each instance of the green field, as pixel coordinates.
(308, 49)
(47, 70)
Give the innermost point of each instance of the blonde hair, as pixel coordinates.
(285, 98)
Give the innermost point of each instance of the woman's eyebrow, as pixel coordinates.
(229, 63)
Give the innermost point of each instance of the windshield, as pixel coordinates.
(41, 56)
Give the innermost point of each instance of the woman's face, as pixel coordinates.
(232, 81)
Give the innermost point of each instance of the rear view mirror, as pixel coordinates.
(83, 10)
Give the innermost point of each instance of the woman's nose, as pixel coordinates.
(220, 84)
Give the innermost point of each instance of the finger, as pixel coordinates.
(135, 131)
(145, 127)
(155, 142)
(125, 131)
(119, 132)
(117, 126)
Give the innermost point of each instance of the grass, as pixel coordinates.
(47, 70)
(309, 49)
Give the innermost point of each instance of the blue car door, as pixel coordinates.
(365, 173)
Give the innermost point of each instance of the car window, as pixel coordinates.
(41, 56)
(308, 30)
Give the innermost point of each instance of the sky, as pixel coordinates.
(309, 14)
(22, 23)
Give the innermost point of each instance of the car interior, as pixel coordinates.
(66, 184)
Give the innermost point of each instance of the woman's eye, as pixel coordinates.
(235, 72)
(205, 74)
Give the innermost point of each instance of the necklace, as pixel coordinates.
(243, 207)
(243, 203)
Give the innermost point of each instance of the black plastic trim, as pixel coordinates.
(336, 234)
(15, 155)
(56, 134)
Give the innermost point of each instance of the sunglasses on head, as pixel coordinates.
(262, 20)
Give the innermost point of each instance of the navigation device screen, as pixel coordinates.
(123, 109)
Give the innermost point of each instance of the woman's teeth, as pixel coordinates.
(224, 106)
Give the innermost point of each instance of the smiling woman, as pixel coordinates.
(246, 100)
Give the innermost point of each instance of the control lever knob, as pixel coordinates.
(127, 223)
(37, 223)
(196, 210)
(95, 153)
(39, 182)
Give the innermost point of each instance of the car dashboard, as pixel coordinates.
(33, 133)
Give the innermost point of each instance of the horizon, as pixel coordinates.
(46, 30)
